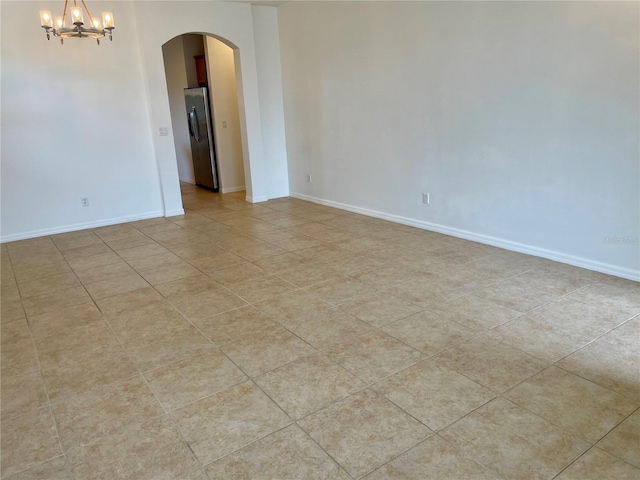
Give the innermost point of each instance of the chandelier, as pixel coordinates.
(97, 28)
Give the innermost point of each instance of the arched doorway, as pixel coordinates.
(207, 64)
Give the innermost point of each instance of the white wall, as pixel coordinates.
(174, 64)
(74, 124)
(265, 28)
(521, 119)
(226, 116)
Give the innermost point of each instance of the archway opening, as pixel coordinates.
(202, 71)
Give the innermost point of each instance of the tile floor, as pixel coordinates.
(287, 340)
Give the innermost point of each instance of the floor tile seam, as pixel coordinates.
(35, 465)
(295, 287)
(501, 396)
(558, 425)
(430, 434)
(596, 444)
(166, 413)
(243, 446)
(575, 461)
(438, 430)
(52, 416)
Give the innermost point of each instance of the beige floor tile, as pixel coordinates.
(169, 273)
(573, 403)
(607, 365)
(514, 442)
(219, 260)
(206, 304)
(147, 321)
(57, 300)
(433, 393)
(21, 393)
(116, 286)
(94, 261)
(28, 440)
(166, 346)
(287, 454)
(364, 431)
(475, 312)
(235, 325)
(292, 305)
(380, 309)
(226, 421)
(626, 336)
(623, 298)
(266, 350)
(56, 469)
(48, 284)
(491, 363)
(133, 255)
(259, 289)
(237, 274)
(129, 302)
(78, 374)
(163, 259)
(340, 290)
(597, 465)
(579, 317)
(428, 332)
(191, 285)
(130, 241)
(307, 385)
(373, 356)
(327, 327)
(85, 418)
(546, 341)
(152, 450)
(18, 358)
(306, 274)
(28, 273)
(86, 251)
(59, 321)
(11, 310)
(37, 257)
(14, 331)
(433, 459)
(104, 272)
(10, 292)
(624, 440)
(75, 343)
(193, 378)
(518, 296)
(280, 263)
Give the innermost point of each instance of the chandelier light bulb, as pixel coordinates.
(96, 23)
(58, 22)
(45, 18)
(107, 20)
(76, 15)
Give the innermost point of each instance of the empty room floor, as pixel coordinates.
(288, 340)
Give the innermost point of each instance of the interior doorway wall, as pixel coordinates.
(219, 75)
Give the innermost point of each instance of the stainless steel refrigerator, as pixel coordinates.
(201, 132)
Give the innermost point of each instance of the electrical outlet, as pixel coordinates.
(224, 124)
(426, 198)
(163, 131)
(309, 177)
(84, 201)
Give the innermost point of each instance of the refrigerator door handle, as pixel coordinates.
(193, 124)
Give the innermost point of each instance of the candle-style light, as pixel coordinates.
(95, 28)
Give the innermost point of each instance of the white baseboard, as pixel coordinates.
(79, 226)
(264, 198)
(174, 212)
(581, 262)
(233, 189)
(192, 181)
(278, 195)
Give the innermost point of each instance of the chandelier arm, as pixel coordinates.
(64, 12)
(88, 13)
